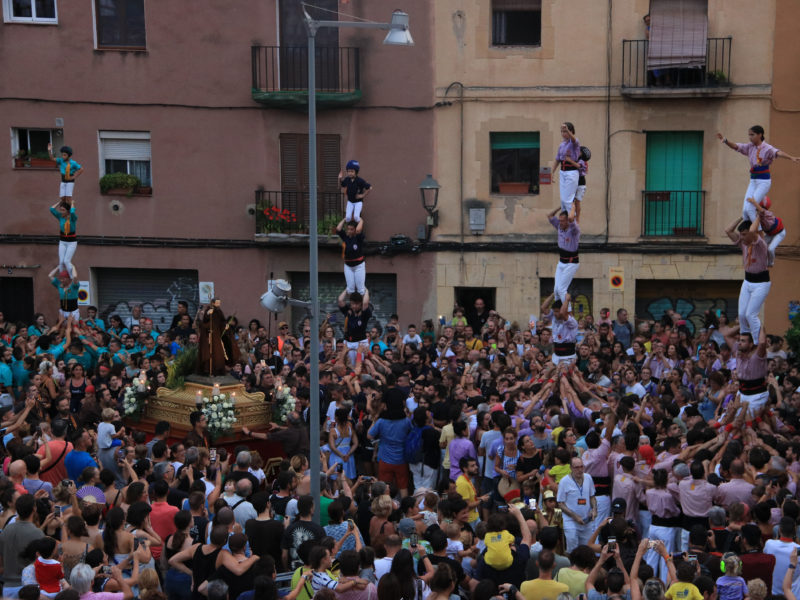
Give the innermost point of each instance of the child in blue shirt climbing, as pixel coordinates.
(356, 189)
(69, 171)
(67, 235)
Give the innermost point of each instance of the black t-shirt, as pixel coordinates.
(237, 584)
(440, 411)
(454, 565)
(355, 185)
(353, 248)
(355, 325)
(279, 503)
(526, 465)
(265, 537)
(297, 533)
(515, 574)
(431, 451)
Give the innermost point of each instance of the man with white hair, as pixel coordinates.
(82, 577)
(242, 508)
(242, 470)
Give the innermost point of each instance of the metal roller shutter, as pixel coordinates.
(156, 290)
(382, 290)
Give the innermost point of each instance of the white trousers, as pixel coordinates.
(755, 402)
(65, 189)
(564, 274)
(580, 193)
(757, 190)
(565, 359)
(751, 299)
(575, 534)
(645, 520)
(603, 511)
(567, 187)
(355, 278)
(424, 477)
(352, 350)
(66, 250)
(773, 241)
(651, 557)
(66, 314)
(353, 211)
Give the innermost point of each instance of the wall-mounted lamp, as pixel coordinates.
(429, 192)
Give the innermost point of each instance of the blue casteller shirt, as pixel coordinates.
(355, 185)
(73, 166)
(392, 435)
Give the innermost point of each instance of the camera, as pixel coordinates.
(339, 468)
(413, 540)
(106, 570)
(212, 454)
(503, 508)
(56, 511)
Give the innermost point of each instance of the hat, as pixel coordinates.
(282, 324)
(618, 506)
(89, 389)
(91, 495)
(548, 495)
(497, 408)
(7, 438)
(106, 367)
(766, 203)
(406, 527)
(512, 496)
(648, 454)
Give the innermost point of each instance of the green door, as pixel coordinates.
(673, 199)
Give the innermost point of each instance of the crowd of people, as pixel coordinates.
(475, 458)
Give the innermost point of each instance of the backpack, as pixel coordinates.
(412, 447)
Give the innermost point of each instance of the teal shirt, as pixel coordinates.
(86, 359)
(96, 324)
(73, 166)
(68, 293)
(67, 226)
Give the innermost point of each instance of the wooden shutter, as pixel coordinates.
(329, 164)
(293, 179)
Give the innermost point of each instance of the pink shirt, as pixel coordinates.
(595, 460)
(760, 155)
(661, 503)
(752, 366)
(696, 496)
(735, 490)
(755, 257)
(625, 487)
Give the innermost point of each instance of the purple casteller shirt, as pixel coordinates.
(754, 256)
(567, 238)
(750, 367)
(759, 156)
(569, 149)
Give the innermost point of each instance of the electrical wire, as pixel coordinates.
(335, 12)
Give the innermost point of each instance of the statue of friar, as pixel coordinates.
(217, 347)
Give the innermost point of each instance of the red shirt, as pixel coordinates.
(758, 565)
(162, 518)
(55, 472)
(48, 574)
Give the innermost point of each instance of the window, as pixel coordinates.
(673, 197)
(516, 22)
(120, 24)
(294, 175)
(30, 11)
(126, 152)
(515, 162)
(33, 141)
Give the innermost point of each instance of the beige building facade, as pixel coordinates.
(661, 188)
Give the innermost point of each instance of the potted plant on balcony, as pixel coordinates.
(119, 184)
(514, 187)
(21, 159)
(717, 77)
(42, 160)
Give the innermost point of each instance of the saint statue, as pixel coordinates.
(217, 347)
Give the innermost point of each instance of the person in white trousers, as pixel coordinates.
(569, 236)
(67, 235)
(576, 498)
(756, 284)
(567, 157)
(771, 225)
(355, 269)
(760, 154)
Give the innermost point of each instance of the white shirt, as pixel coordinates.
(781, 551)
(577, 498)
(637, 388)
(383, 566)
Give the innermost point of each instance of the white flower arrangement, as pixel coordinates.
(133, 402)
(284, 403)
(220, 414)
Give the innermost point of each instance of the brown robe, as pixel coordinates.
(217, 347)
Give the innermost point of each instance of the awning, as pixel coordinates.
(678, 34)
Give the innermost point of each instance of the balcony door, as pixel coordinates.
(293, 53)
(294, 176)
(673, 199)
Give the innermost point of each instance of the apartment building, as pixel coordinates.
(207, 109)
(648, 102)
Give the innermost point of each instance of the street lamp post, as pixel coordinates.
(398, 35)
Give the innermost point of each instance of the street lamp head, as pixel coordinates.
(399, 35)
(429, 190)
(276, 299)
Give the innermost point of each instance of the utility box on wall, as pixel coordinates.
(477, 220)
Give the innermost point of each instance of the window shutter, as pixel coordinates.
(126, 149)
(330, 193)
(292, 180)
(678, 34)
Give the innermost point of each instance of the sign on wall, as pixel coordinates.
(84, 293)
(616, 279)
(206, 291)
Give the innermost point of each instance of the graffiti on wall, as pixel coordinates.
(691, 309)
(159, 310)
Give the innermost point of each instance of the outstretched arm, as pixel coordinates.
(724, 140)
(782, 154)
(731, 230)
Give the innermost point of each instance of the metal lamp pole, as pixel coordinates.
(399, 36)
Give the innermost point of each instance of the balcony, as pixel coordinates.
(280, 76)
(712, 80)
(287, 212)
(673, 214)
